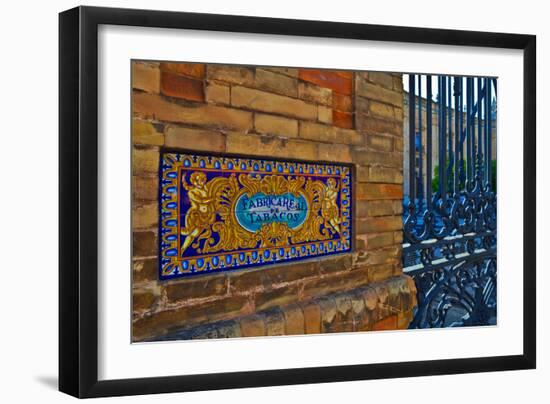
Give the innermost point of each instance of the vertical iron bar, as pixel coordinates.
(461, 128)
(412, 127)
(489, 152)
(457, 140)
(449, 112)
(420, 187)
(442, 138)
(479, 123)
(485, 159)
(429, 140)
(469, 128)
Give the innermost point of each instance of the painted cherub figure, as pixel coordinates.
(329, 207)
(201, 214)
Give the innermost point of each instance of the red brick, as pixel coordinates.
(342, 119)
(388, 323)
(174, 85)
(196, 70)
(404, 319)
(328, 79)
(342, 102)
(344, 74)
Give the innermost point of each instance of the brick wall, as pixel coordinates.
(303, 114)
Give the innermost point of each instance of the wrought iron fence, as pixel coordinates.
(449, 219)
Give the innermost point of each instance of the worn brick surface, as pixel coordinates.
(329, 134)
(379, 224)
(145, 161)
(372, 191)
(336, 264)
(229, 329)
(325, 114)
(144, 270)
(195, 139)
(383, 305)
(366, 156)
(193, 288)
(253, 326)
(335, 282)
(275, 323)
(271, 146)
(328, 315)
(275, 82)
(315, 94)
(378, 208)
(145, 216)
(370, 124)
(144, 243)
(277, 297)
(155, 107)
(145, 77)
(312, 318)
(218, 93)
(344, 312)
(383, 79)
(184, 316)
(380, 143)
(385, 175)
(145, 188)
(380, 272)
(287, 71)
(378, 93)
(264, 101)
(339, 153)
(275, 125)
(146, 133)
(175, 85)
(231, 74)
(294, 320)
(142, 300)
(266, 278)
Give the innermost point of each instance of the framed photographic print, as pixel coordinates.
(251, 202)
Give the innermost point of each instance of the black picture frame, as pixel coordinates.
(78, 195)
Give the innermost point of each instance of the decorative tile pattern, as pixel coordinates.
(224, 213)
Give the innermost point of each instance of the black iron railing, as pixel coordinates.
(449, 220)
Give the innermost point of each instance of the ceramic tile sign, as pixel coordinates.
(220, 213)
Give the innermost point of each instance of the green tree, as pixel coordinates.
(435, 177)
